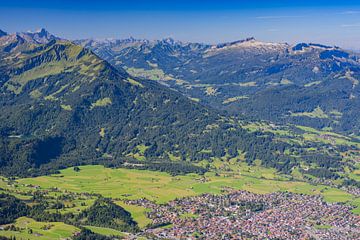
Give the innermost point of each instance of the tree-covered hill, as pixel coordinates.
(273, 81)
(61, 105)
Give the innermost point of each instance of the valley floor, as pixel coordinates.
(172, 206)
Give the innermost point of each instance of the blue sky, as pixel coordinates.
(328, 22)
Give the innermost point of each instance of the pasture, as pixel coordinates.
(121, 184)
(31, 229)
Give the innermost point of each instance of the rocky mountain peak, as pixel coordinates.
(42, 32)
(39, 36)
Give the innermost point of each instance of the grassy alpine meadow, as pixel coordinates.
(105, 231)
(121, 184)
(137, 212)
(27, 228)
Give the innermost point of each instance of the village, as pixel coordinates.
(245, 215)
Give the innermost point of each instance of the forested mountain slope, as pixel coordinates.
(308, 84)
(62, 105)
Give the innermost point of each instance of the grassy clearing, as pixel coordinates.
(137, 212)
(102, 132)
(75, 206)
(194, 99)
(322, 227)
(142, 148)
(265, 127)
(35, 94)
(285, 81)
(101, 103)
(40, 230)
(210, 91)
(153, 74)
(248, 84)
(312, 84)
(66, 107)
(335, 195)
(316, 113)
(327, 137)
(135, 83)
(356, 202)
(139, 152)
(106, 231)
(42, 71)
(233, 99)
(189, 215)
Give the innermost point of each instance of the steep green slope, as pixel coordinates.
(64, 106)
(332, 104)
(61, 102)
(263, 80)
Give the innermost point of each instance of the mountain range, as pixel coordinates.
(62, 105)
(306, 83)
(169, 105)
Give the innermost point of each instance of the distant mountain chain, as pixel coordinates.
(164, 139)
(308, 84)
(169, 104)
(61, 96)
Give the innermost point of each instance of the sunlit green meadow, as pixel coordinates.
(121, 184)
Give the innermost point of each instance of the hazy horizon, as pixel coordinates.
(327, 22)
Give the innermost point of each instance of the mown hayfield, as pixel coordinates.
(117, 183)
(40, 230)
(137, 212)
(161, 187)
(106, 231)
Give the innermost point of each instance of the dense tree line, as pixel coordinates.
(173, 168)
(11, 208)
(322, 173)
(256, 145)
(323, 160)
(105, 213)
(87, 234)
(351, 182)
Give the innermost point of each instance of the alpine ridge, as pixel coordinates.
(274, 81)
(58, 95)
(212, 120)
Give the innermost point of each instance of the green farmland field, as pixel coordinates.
(31, 229)
(121, 184)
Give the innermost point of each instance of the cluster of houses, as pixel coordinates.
(245, 215)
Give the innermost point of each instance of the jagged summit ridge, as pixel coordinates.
(39, 36)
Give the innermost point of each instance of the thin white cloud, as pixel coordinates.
(352, 25)
(278, 17)
(350, 12)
